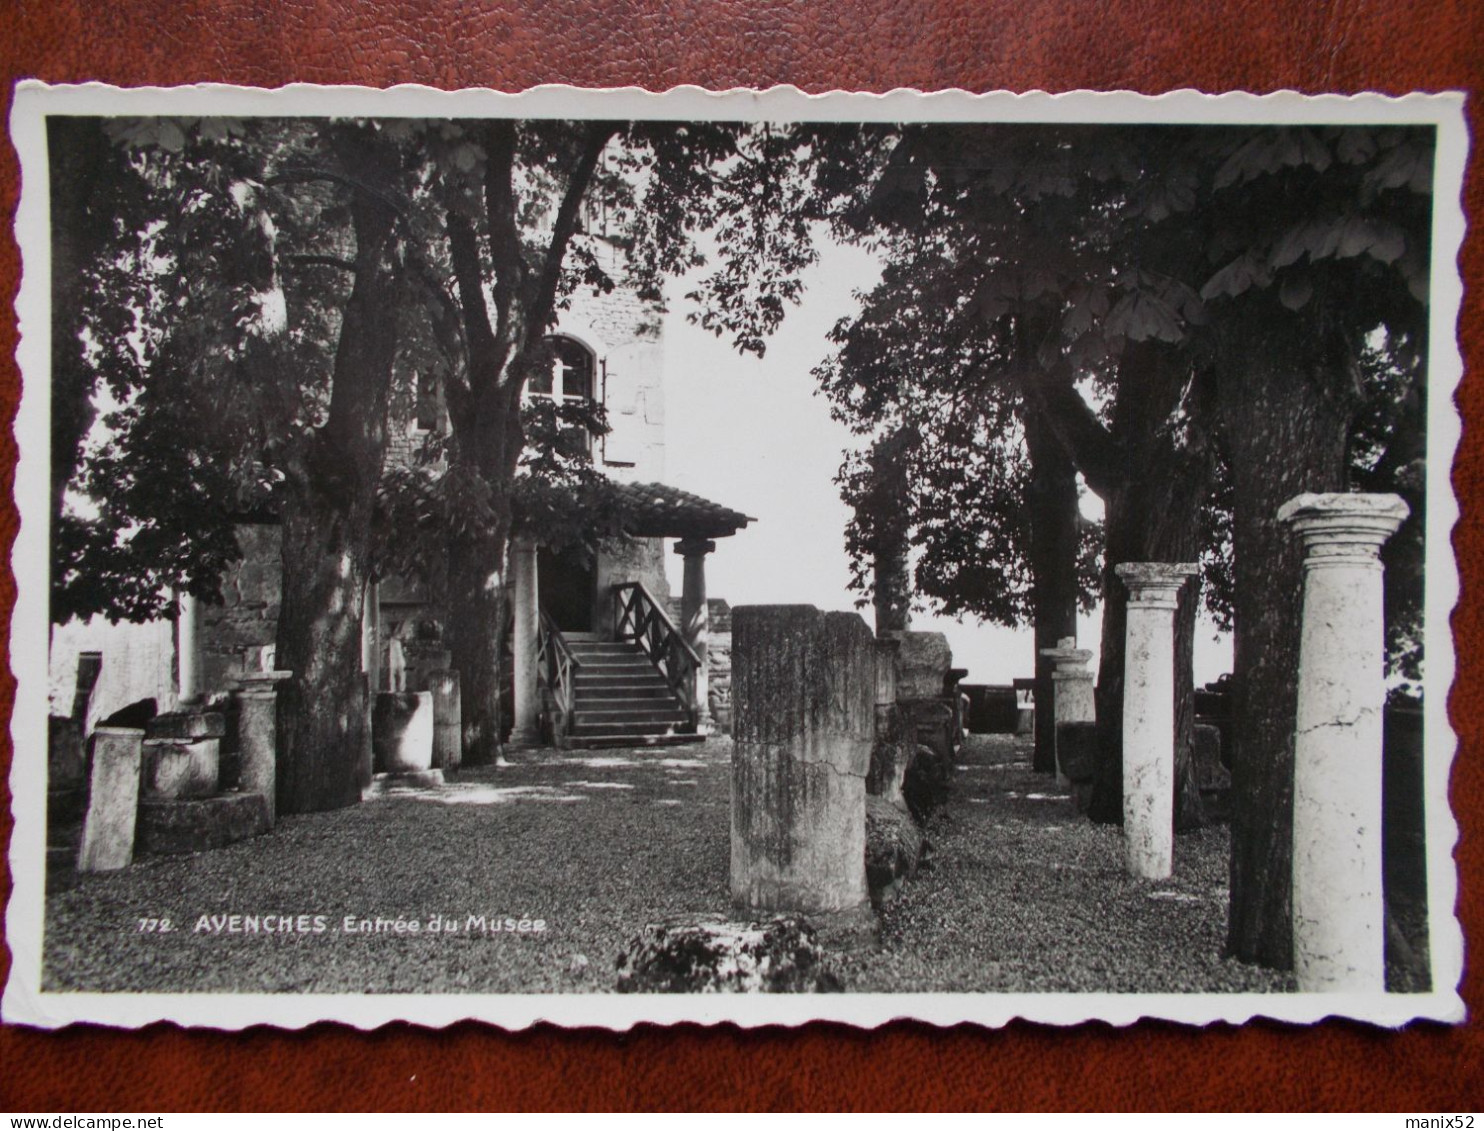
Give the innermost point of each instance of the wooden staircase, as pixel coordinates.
(620, 699)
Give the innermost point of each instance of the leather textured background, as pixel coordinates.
(1389, 46)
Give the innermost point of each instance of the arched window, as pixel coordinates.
(569, 381)
(571, 375)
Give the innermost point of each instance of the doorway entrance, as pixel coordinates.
(567, 587)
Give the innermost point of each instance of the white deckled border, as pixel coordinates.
(25, 1003)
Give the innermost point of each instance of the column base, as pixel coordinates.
(523, 738)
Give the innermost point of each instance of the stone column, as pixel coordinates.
(1149, 715)
(891, 585)
(1071, 695)
(188, 650)
(804, 688)
(887, 658)
(113, 800)
(526, 630)
(448, 721)
(257, 735)
(1338, 912)
(695, 621)
(371, 636)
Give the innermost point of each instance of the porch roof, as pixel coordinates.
(655, 510)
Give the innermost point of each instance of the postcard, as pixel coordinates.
(603, 557)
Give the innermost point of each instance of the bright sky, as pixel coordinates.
(754, 436)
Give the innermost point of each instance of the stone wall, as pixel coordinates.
(138, 663)
(628, 559)
(624, 331)
(718, 646)
(234, 633)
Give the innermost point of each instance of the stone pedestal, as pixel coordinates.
(113, 801)
(1338, 910)
(402, 732)
(695, 621)
(182, 754)
(803, 684)
(257, 735)
(1071, 694)
(1149, 715)
(200, 825)
(448, 720)
(525, 631)
(923, 663)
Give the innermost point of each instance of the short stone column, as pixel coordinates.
(526, 629)
(1071, 694)
(1149, 715)
(113, 800)
(695, 621)
(1338, 911)
(190, 687)
(257, 735)
(803, 684)
(448, 720)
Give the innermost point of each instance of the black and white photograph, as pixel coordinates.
(602, 557)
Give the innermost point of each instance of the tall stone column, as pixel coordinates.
(695, 620)
(892, 588)
(257, 741)
(526, 630)
(371, 637)
(188, 650)
(448, 720)
(804, 691)
(1149, 715)
(1072, 698)
(1338, 911)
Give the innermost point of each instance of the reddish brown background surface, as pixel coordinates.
(1143, 45)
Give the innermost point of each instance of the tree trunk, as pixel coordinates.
(324, 741)
(476, 604)
(1285, 427)
(1152, 514)
(1053, 560)
(491, 442)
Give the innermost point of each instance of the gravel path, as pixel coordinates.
(1018, 895)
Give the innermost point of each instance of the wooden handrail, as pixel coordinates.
(637, 616)
(659, 614)
(556, 668)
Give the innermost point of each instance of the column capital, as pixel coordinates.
(1343, 529)
(1067, 656)
(261, 683)
(1155, 585)
(694, 547)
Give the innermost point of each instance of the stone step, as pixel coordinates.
(647, 698)
(605, 660)
(615, 680)
(609, 741)
(580, 727)
(659, 716)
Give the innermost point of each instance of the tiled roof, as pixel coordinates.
(654, 510)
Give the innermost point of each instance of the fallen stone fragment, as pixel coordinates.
(687, 956)
(893, 848)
